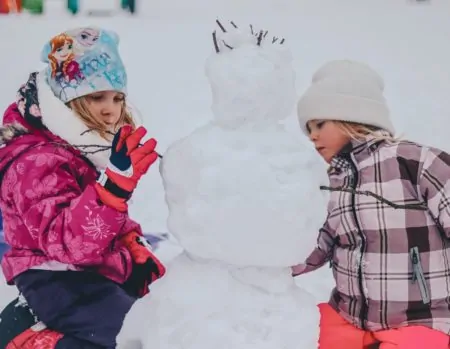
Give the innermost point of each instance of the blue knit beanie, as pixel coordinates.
(83, 61)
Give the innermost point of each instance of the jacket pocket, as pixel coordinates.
(418, 275)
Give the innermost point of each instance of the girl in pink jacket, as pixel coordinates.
(70, 158)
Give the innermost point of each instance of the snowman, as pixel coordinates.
(244, 203)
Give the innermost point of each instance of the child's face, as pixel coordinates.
(327, 137)
(106, 106)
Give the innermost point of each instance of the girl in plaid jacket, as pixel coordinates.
(387, 234)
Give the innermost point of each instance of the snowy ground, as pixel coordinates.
(165, 48)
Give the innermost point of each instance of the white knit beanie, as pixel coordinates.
(346, 91)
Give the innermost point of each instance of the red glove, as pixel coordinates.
(127, 163)
(146, 267)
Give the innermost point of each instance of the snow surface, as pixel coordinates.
(204, 305)
(165, 49)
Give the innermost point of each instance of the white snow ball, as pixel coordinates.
(198, 306)
(248, 199)
(250, 83)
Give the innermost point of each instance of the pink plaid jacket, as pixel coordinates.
(387, 235)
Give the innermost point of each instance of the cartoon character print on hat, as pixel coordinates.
(62, 59)
(85, 39)
(83, 61)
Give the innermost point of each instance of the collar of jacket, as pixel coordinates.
(358, 150)
(61, 121)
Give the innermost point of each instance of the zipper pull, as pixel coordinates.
(351, 180)
(415, 259)
(418, 275)
(415, 262)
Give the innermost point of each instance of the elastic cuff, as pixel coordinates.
(112, 187)
(110, 199)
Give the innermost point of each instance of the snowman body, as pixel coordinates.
(244, 203)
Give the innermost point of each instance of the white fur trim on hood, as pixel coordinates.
(61, 121)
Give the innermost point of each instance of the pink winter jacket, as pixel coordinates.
(53, 218)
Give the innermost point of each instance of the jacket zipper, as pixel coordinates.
(418, 275)
(364, 307)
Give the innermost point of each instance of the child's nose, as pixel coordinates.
(108, 108)
(313, 135)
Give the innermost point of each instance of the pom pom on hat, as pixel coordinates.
(346, 91)
(82, 61)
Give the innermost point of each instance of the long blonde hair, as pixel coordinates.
(360, 132)
(81, 109)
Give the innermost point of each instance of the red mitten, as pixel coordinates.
(147, 268)
(36, 337)
(127, 163)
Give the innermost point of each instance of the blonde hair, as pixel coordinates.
(359, 132)
(81, 109)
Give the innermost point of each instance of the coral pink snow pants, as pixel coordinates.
(337, 333)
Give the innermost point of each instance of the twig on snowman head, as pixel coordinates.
(221, 26)
(260, 36)
(230, 47)
(216, 45)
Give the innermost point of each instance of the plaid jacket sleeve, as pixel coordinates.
(323, 251)
(434, 182)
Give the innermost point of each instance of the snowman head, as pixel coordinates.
(251, 77)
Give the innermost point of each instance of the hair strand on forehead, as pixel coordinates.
(359, 132)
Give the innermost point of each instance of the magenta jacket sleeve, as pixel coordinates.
(68, 223)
